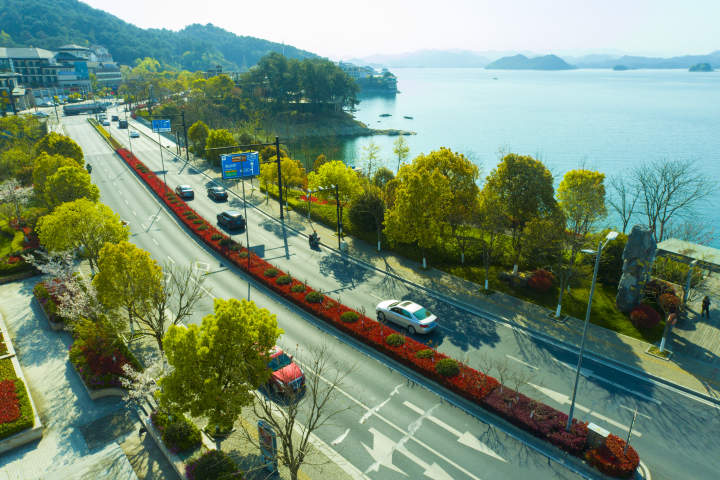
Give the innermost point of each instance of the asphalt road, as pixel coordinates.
(674, 433)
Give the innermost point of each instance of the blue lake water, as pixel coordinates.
(601, 119)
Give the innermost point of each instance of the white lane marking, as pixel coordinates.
(126, 202)
(633, 411)
(171, 259)
(392, 425)
(467, 439)
(521, 362)
(382, 452)
(155, 241)
(373, 295)
(563, 399)
(377, 408)
(134, 213)
(645, 471)
(341, 437)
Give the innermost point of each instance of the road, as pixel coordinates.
(606, 396)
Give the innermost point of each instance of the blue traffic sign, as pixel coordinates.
(240, 165)
(160, 126)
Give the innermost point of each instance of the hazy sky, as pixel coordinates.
(345, 29)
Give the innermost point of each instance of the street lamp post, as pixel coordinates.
(610, 236)
(337, 207)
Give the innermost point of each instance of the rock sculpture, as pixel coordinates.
(638, 258)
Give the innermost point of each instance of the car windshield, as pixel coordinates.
(421, 313)
(279, 362)
(218, 189)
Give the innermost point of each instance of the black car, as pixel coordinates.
(114, 118)
(217, 193)
(185, 191)
(231, 220)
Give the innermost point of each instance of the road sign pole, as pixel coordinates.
(187, 149)
(247, 233)
(280, 196)
(162, 160)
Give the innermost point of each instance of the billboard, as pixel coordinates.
(161, 126)
(240, 165)
(268, 445)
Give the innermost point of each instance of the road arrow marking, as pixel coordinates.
(437, 473)
(341, 437)
(521, 362)
(377, 408)
(467, 438)
(382, 452)
(563, 399)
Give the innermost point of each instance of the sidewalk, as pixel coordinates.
(694, 365)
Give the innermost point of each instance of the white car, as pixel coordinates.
(134, 134)
(407, 314)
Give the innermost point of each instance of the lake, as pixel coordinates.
(601, 119)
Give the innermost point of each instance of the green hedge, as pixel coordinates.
(178, 433)
(25, 420)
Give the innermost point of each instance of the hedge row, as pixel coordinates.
(15, 410)
(541, 420)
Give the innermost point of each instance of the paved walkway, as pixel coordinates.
(694, 365)
(75, 426)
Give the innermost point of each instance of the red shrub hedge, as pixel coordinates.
(610, 459)
(9, 404)
(541, 280)
(539, 419)
(644, 316)
(669, 302)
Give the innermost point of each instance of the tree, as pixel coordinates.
(421, 200)
(525, 189)
(170, 302)
(315, 408)
(319, 162)
(293, 175)
(198, 135)
(217, 366)
(218, 139)
(670, 188)
(581, 197)
(81, 223)
(68, 184)
(492, 223)
(372, 151)
(336, 173)
(129, 278)
(57, 144)
(47, 165)
(382, 176)
(367, 210)
(402, 150)
(623, 199)
(13, 193)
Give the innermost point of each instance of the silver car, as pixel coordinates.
(407, 314)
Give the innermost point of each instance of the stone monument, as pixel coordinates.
(638, 258)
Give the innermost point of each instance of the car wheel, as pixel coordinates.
(411, 330)
(381, 317)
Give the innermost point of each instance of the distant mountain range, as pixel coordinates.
(521, 62)
(51, 23)
(525, 60)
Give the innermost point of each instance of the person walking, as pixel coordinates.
(705, 308)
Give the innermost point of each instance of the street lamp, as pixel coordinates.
(337, 207)
(610, 236)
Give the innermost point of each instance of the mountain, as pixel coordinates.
(52, 23)
(634, 61)
(521, 62)
(427, 58)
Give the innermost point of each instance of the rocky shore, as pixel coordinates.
(335, 126)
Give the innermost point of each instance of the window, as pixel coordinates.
(279, 362)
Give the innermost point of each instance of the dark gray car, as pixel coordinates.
(231, 220)
(217, 193)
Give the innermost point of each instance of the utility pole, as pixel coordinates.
(187, 154)
(339, 220)
(280, 196)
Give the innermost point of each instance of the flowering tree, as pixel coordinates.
(13, 193)
(141, 384)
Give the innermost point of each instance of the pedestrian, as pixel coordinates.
(142, 430)
(705, 307)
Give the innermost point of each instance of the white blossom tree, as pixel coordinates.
(12, 192)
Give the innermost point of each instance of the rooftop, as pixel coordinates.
(25, 52)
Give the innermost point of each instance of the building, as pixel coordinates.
(36, 66)
(13, 97)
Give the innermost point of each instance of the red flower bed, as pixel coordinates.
(541, 280)
(313, 200)
(611, 460)
(644, 316)
(539, 419)
(9, 405)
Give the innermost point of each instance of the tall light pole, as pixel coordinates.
(610, 236)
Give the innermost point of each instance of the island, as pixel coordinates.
(521, 62)
(701, 67)
(622, 68)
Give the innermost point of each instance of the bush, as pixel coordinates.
(541, 280)
(178, 433)
(349, 317)
(447, 367)
(298, 288)
(271, 272)
(610, 459)
(243, 254)
(202, 228)
(655, 288)
(25, 420)
(284, 280)
(424, 353)
(644, 316)
(215, 237)
(197, 222)
(213, 465)
(314, 297)
(395, 339)
(669, 302)
(226, 242)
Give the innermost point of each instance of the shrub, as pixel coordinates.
(181, 435)
(314, 297)
(202, 228)
(215, 237)
(447, 367)
(9, 405)
(424, 353)
(298, 288)
(284, 280)
(243, 254)
(349, 317)
(226, 242)
(541, 280)
(669, 302)
(25, 420)
(197, 221)
(644, 316)
(271, 272)
(655, 288)
(610, 459)
(395, 339)
(235, 247)
(212, 465)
